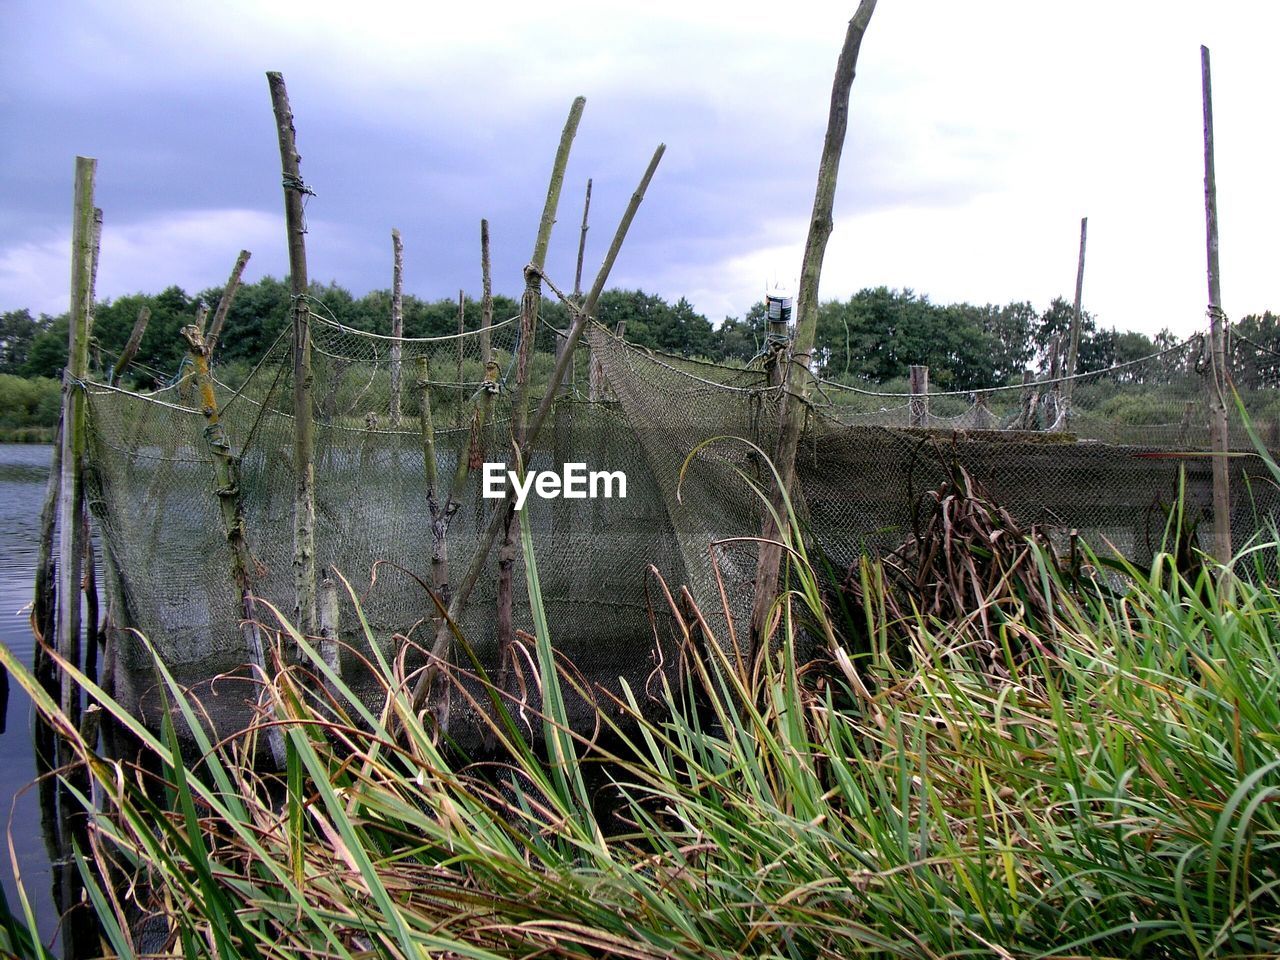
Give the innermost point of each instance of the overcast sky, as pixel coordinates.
(979, 134)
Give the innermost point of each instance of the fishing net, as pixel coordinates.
(690, 438)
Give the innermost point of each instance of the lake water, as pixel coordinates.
(24, 470)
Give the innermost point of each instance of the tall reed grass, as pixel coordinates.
(1101, 780)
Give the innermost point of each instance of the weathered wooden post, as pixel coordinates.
(791, 415)
(582, 244)
(459, 415)
(562, 341)
(304, 499)
(486, 295)
(226, 468)
(131, 346)
(71, 481)
(983, 418)
(1073, 344)
(529, 305)
(224, 303)
(1219, 376)
(397, 322)
(1027, 416)
(497, 519)
(919, 406)
(330, 627)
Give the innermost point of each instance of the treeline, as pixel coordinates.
(874, 335)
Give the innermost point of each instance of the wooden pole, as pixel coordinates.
(397, 321)
(1073, 349)
(486, 299)
(304, 503)
(71, 491)
(330, 626)
(497, 520)
(1027, 417)
(1219, 376)
(131, 346)
(983, 418)
(582, 244)
(919, 396)
(791, 415)
(224, 302)
(226, 467)
(529, 305)
(460, 389)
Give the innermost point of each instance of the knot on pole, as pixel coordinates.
(292, 182)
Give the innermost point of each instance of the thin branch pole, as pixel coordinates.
(226, 469)
(529, 305)
(224, 302)
(304, 503)
(791, 417)
(71, 492)
(131, 346)
(486, 300)
(919, 406)
(1073, 348)
(588, 308)
(397, 321)
(462, 327)
(1220, 377)
(582, 244)
(93, 282)
(497, 519)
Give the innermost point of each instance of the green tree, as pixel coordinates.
(17, 331)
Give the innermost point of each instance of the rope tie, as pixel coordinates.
(291, 182)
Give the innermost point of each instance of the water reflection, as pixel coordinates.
(24, 470)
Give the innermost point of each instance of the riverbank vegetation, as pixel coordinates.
(873, 336)
(1080, 759)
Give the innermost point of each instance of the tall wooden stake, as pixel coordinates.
(1073, 348)
(226, 467)
(225, 301)
(791, 417)
(919, 407)
(497, 520)
(1219, 376)
(304, 501)
(582, 243)
(131, 347)
(458, 414)
(71, 492)
(486, 300)
(397, 321)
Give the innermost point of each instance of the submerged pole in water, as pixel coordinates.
(304, 494)
(1219, 376)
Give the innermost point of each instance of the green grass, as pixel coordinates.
(1112, 789)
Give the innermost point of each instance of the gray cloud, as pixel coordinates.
(977, 139)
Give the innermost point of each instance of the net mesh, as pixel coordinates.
(689, 437)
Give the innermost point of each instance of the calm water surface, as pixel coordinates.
(23, 472)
